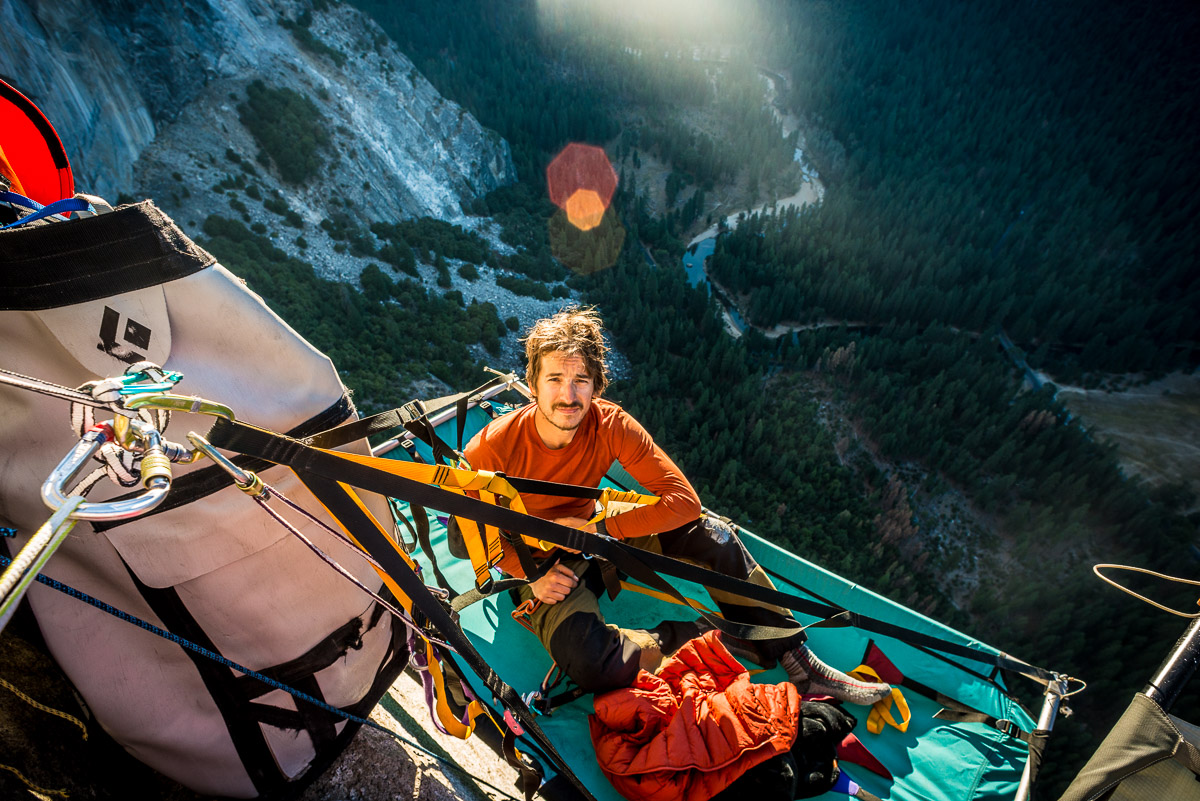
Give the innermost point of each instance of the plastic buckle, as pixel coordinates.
(512, 724)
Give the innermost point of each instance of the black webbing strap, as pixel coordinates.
(644, 566)
(334, 497)
(958, 712)
(244, 732)
(533, 486)
(393, 419)
(460, 419)
(277, 448)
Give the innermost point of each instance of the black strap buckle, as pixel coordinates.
(412, 411)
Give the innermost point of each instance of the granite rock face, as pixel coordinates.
(140, 91)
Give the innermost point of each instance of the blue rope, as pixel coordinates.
(57, 207)
(20, 200)
(191, 646)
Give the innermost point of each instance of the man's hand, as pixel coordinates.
(555, 586)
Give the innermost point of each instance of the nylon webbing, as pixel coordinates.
(353, 470)
(645, 566)
(366, 531)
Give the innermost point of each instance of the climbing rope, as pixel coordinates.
(34, 788)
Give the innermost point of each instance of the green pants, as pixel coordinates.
(600, 656)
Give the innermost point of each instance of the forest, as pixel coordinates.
(1020, 167)
(1001, 173)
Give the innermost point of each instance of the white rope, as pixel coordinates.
(1191, 616)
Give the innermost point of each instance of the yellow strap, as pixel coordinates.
(44, 708)
(440, 475)
(881, 710)
(452, 724)
(614, 502)
(662, 596)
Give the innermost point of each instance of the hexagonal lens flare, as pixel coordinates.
(584, 209)
(581, 182)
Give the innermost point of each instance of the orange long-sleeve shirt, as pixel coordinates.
(608, 433)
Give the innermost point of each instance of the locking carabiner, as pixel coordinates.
(156, 476)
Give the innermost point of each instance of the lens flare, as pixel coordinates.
(584, 209)
(581, 181)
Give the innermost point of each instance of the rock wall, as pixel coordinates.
(136, 90)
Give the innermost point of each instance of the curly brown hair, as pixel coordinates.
(574, 331)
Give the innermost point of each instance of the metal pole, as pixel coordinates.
(448, 413)
(1055, 691)
(1172, 676)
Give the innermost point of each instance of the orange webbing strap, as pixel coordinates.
(483, 551)
(452, 724)
(448, 720)
(614, 502)
(403, 598)
(881, 710)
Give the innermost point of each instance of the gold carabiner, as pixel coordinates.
(178, 403)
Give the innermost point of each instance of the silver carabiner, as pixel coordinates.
(156, 475)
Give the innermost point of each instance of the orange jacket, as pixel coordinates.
(693, 728)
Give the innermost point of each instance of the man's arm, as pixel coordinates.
(653, 469)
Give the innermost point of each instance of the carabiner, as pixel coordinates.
(156, 477)
(178, 403)
(146, 377)
(245, 480)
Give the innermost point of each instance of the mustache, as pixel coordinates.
(558, 406)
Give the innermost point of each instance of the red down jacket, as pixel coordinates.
(693, 728)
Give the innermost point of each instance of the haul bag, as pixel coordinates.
(84, 299)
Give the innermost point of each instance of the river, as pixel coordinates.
(702, 246)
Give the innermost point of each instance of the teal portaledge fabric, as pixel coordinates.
(933, 760)
(1148, 756)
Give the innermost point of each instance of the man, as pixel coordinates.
(569, 434)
